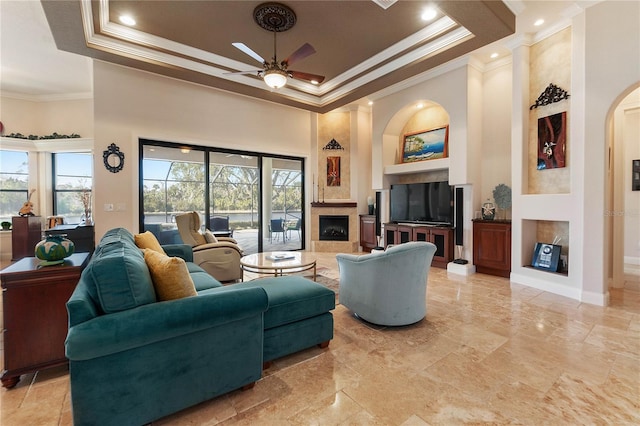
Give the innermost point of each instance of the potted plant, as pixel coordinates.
(5, 225)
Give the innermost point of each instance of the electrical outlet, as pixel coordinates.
(108, 207)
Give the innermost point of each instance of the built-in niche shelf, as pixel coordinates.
(417, 167)
(545, 231)
(560, 273)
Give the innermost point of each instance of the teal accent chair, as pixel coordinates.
(387, 287)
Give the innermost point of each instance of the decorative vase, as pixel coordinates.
(53, 249)
(488, 210)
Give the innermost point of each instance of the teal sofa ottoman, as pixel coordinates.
(298, 317)
(133, 360)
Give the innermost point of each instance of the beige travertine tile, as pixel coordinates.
(334, 409)
(488, 352)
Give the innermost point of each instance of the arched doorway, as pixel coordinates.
(623, 204)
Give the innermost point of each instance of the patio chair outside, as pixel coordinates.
(295, 225)
(275, 227)
(219, 225)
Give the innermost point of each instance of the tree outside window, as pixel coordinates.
(14, 182)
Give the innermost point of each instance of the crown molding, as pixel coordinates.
(116, 38)
(48, 98)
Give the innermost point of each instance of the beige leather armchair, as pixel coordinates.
(221, 259)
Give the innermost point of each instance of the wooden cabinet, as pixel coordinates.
(492, 247)
(368, 239)
(26, 232)
(397, 234)
(35, 314)
(83, 237)
(442, 237)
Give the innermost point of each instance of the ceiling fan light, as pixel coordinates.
(275, 78)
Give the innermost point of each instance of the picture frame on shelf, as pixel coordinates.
(426, 145)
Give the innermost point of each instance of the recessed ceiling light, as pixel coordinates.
(420, 105)
(314, 82)
(539, 22)
(428, 14)
(185, 150)
(127, 20)
(370, 103)
(494, 55)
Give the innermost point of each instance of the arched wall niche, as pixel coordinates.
(422, 114)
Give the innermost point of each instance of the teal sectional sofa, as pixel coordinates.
(133, 359)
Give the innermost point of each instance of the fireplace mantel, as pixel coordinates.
(335, 204)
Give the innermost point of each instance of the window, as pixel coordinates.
(248, 189)
(72, 177)
(14, 182)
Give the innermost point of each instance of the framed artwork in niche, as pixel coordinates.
(333, 171)
(552, 141)
(426, 145)
(635, 175)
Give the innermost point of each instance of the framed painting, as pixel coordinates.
(552, 141)
(333, 171)
(426, 145)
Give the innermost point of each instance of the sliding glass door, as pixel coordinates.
(172, 182)
(283, 204)
(233, 197)
(256, 199)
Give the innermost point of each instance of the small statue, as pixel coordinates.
(27, 207)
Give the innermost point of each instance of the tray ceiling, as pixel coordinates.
(360, 46)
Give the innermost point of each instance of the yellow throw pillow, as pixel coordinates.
(170, 276)
(208, 235)
(147, 240)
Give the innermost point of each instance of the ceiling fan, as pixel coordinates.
(277, 17)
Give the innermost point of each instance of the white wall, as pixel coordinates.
(496, 130)
(612, 70)
(131, 104)
(390, 113)
(42, 118)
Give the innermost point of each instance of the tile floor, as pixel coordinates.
(487, 353)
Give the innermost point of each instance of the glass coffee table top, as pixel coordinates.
(278, 263)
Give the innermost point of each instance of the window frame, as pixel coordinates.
(54, 178)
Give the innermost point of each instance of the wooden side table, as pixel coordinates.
(35, 314)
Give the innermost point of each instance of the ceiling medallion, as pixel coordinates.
(274, 17)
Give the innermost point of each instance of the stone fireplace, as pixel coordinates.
(334, 227)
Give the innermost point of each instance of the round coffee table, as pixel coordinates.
(278, 263)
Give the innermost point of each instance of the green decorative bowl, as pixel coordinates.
(54, 248)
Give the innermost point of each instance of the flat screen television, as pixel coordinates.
(430, 203)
